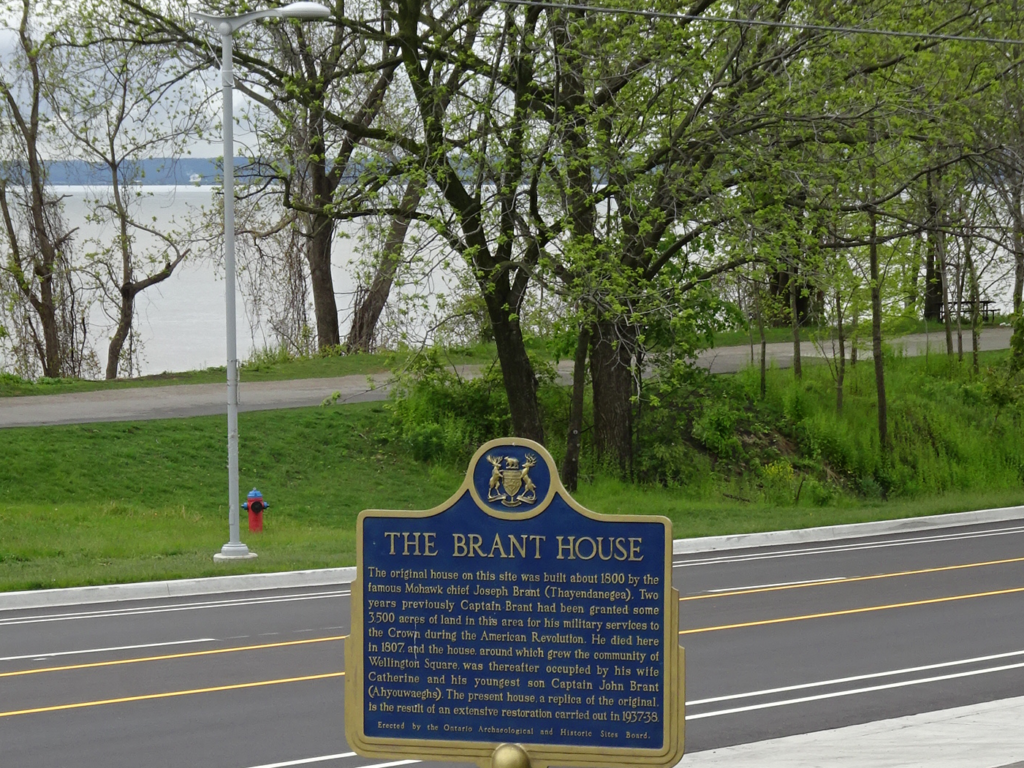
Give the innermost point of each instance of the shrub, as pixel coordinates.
(443, 417)
(819, 494)
(267, 357)
(715, 427)
(777, 482)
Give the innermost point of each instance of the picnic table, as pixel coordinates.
(966, 309)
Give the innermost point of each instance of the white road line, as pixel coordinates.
(390, 765)
(854, 678)
(116, 612)
(106, 650)
(769, 586)
(854, 692)
(307, 761)
(846, 548)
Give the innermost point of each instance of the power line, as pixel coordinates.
(762, 23)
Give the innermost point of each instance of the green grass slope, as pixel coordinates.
(120, 502)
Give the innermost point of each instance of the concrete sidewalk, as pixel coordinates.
(185, 400)
(734, 359)
(989, 735)
(179, 401)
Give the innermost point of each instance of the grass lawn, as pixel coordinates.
(100, 503)
(124, 502)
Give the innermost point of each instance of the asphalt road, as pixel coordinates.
(779, 641)
(183, 401)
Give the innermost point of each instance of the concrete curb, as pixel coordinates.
(110, 593)
(838, 532)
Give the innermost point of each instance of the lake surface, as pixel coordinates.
(181, 321)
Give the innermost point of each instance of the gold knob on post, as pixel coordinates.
(510, 756)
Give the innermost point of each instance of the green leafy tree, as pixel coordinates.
(42, 295)
(118, 103)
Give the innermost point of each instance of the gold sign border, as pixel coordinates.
(541, 755)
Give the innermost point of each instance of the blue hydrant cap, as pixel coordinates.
(254, 494)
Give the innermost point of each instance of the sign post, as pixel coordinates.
(512, 628)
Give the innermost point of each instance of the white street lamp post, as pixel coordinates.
(227, 26)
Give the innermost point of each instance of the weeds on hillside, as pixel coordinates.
(441, 416)
(712, 437)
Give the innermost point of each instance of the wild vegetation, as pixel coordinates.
(716, 437)
(618, 186)
(99, 503)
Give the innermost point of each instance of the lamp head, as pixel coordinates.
(304, 10)
(227, 25)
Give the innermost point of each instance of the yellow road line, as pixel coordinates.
(188, 655)
(852, 579)
(851, 611)
(168, 694)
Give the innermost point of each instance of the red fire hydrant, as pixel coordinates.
(255, 504)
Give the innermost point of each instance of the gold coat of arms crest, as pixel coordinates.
(510, 482)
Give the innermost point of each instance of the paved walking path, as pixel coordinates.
(184, 401)
(988, 735)
(733, 359)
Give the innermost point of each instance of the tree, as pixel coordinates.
(370, 300)
(619, 160)
(38, 270)
(119, 103)
(313, 89)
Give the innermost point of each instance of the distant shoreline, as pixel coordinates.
(154, 172)
(78, 186)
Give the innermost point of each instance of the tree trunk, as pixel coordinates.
(876, 338)
(932, 286)
(611, 374)
(853, 341)
(516, 369)
(371, 304)
(944, 287)
(744, 312)
(502, 289)
(959, 316)
(910, 302)
(322, 185)
(574, 440)
(318, 255)
(1018, 247)
(764, 344)
(975, 297)
(795, 320)
(573, 129)
(41, 257)
(124, 327)
(841, 362)
(129, 290)
(53, 362)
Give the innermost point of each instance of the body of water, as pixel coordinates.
(181, 321)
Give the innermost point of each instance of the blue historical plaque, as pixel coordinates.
(511, 614)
